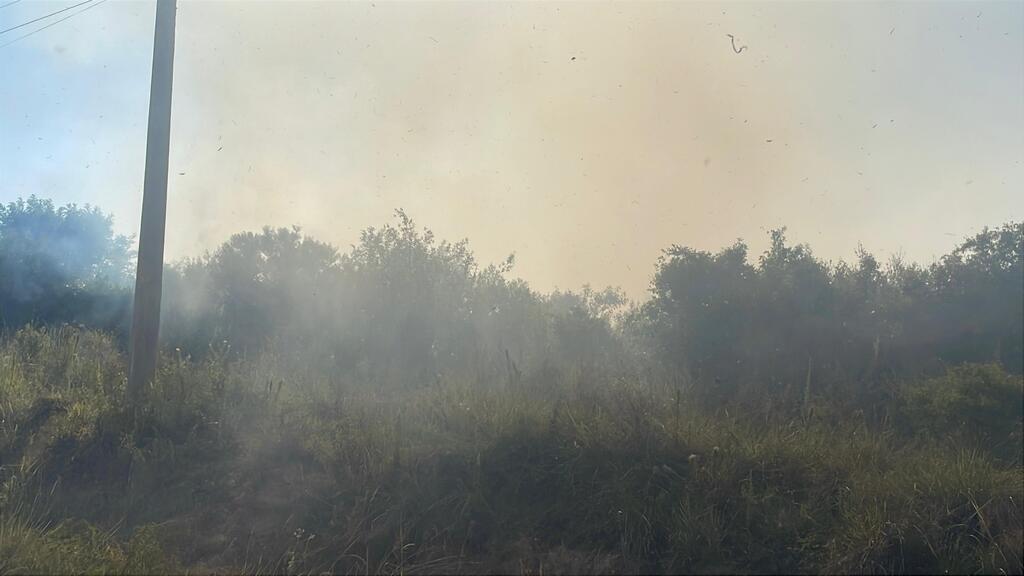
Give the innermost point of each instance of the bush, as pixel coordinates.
(977, 402)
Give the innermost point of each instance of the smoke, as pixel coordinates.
(61, 264)
(584, 137)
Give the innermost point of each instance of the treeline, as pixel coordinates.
(402, 308)
(62, 265)
(399, 408)
(793, 325)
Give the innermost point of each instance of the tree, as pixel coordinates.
(978, 292)
(62, 264)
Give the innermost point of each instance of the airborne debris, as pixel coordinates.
(732, 39)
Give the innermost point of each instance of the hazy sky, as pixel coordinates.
(585, 137)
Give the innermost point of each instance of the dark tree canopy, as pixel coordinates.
(722, 322)
(404, 308)
(61, 264)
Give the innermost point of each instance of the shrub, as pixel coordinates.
(980, 403)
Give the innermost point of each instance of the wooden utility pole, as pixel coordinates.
(149, 273)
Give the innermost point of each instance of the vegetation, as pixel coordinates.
(399, 408)
(61, 265)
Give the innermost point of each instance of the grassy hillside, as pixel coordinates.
(238, 463)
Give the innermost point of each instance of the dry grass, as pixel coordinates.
(224, 470)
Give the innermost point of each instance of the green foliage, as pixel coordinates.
(78, 547)
(734, 330)
(61, 265)
(978, 402)
(73, 457)
(978, 292)
(400, 408)
(222, 470)
(399, 310)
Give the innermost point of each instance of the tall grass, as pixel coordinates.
(231, 465)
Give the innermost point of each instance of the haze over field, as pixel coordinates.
(585, 137)
(765, 314)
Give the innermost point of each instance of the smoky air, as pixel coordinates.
(511, 288)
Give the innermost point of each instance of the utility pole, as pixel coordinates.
(149, 273)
